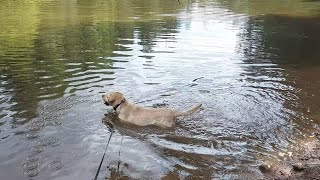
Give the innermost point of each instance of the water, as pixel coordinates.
(253, 65)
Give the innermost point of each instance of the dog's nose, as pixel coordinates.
(102, 95)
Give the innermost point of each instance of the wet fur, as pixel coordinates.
(138, 115)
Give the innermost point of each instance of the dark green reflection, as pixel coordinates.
(282, 40)
(45, 46)
(275, 7)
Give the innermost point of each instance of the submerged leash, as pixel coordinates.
(111, 132)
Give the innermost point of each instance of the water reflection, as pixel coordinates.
(290, 43)
(256, 77)
(282, 40)
(69, 53)
(294, 8)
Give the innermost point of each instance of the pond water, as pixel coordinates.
(254, 65)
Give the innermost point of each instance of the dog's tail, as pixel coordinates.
(190, 111)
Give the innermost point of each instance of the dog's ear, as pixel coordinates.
(115, 97)
(112, 99)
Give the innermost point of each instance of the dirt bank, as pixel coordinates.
(305, 165)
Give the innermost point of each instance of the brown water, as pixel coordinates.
(254, 65)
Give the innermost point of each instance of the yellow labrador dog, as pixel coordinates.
(135, 114)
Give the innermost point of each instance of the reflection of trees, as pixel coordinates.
(290, 39)
(148, 33)
(276, 7)
(292, 43)
(41, 41)
(18, 29)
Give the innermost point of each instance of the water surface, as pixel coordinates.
(253, 65)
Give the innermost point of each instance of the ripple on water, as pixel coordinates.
(36, 125)
(36, 149)
(50, 141)
(32, 135)
(30, 165)
(49, 118)
(32, 172)
(54, 123)
(77, 153)
(32, 157)
(55, 165)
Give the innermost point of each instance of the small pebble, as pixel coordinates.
(265, 168)
(298, 167)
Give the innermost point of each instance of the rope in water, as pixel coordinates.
(111, 132)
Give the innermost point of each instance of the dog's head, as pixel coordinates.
(112, 98)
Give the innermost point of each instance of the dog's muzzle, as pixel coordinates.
(106, 103)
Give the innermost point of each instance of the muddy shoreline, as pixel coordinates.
(301, 166)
